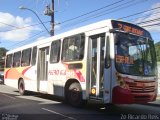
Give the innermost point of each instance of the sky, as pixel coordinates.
(19, 27)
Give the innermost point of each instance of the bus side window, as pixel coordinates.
(9, 61)
(81, 47)
(55, 51)
(73, 48)
(34, 55)
(16, 59)
(26, 57)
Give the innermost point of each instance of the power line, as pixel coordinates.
(97, 15)
(15, 44)
(32, 38)
(153, 14)
(25, 26)
(151, 25)
(101, 14)
(25, 8)
(9, 25)
(83, 15)
(125, 16)
(91, 12)
(89, 16)
(114, 10)
(152, 20)
(68, 19)
(139, 13)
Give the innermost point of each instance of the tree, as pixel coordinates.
(3, 52)
(2, 56)
(157, 47)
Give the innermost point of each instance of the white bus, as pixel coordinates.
(106, 62)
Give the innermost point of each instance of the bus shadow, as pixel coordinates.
(43, 96)
(58, 103)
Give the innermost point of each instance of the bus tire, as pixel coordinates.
(74, 95)
(21, 87)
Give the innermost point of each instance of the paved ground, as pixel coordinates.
(41, 107)
(156, 103)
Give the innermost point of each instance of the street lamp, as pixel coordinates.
(24, 8)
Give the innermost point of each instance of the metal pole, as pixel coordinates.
(52, 20)
(24, 8)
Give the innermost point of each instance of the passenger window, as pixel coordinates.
(16, 59)
(34, 55)
(9, 61)
(26, 57)
(55, 51)
(73, 48)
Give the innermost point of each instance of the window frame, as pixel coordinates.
(23, 57)
(11, 63)
(81, 47)
(34, 53)
(57, 54)
(19, 63)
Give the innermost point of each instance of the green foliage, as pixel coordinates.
(2, 55)
(3, 52)
(157, 47)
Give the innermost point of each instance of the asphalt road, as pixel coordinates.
(36, 106)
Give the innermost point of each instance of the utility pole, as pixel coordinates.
(52, 19)
(50, 12)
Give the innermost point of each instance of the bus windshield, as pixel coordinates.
(135, 55)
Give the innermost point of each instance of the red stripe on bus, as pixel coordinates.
(6, 74)
(25, 70)
(79, 75)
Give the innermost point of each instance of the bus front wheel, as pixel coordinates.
(74, 95)
(21, 87)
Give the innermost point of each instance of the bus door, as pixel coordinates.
(43, 58)
(98, 72)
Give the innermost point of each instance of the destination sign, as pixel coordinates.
(124, 59)
(130, 28)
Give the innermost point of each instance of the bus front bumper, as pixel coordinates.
(125, 96)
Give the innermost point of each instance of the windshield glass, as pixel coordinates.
(134, 55)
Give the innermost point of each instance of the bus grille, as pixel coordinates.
(142, 99)
(145, 87)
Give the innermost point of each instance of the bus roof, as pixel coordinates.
(101, 24)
